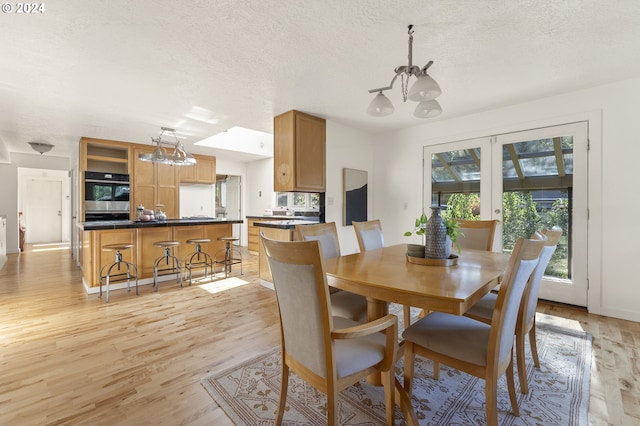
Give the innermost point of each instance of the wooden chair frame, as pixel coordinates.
(480, 224)
(309, 253)
(527, 314)
(494, 368)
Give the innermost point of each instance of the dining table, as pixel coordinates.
(387, 275)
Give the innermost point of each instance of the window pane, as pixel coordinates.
(282, 199)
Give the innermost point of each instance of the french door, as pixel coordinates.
(528, 181)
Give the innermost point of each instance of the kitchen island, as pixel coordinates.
(142, 235)
(281, 230)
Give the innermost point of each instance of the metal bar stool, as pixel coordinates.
(199, 259)
(172, 267)
(226, 257)
(120, 274)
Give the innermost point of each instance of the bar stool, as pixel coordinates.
(199, 259)
(226, 257)
(173, 268)
(118, 262)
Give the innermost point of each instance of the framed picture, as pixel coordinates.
(354, 201)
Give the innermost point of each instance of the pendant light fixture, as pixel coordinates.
(176, 155)
(425, 90)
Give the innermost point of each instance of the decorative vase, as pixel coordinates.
(436, 236)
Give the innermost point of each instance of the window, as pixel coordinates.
(298, 200)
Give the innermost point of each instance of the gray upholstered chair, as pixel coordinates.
(330, 353)
(476, 234)
(483, 310)
(343, 303)
(370, 237)
(483, 350)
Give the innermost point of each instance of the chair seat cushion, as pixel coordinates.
(484, 308)
(353, 355)
(349, 305)
(452, 335)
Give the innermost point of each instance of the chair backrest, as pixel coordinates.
(303, 302)
(478, 234)
(523, 261)
(369, 234)
(326, 233)
(530, 298)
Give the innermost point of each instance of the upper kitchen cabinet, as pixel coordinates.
(204, 171)
(99, 155)
(155, 184)
(299, 152)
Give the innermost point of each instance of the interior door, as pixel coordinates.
(540, 180)
(43, 211)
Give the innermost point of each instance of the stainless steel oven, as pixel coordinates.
(106, 196)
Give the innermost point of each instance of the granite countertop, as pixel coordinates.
(285, 224)
(124, 224)
(283, 217)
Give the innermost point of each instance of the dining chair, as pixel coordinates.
(343, 303)
(476, 234)
(329, 353)
(370, 237)
(526, 325)
(479, 349)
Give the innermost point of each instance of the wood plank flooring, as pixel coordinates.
(68, 358)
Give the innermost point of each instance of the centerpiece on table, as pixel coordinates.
(438, 236)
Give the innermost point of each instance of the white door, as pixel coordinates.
(234, 203)
(539, 177)
(544, 171)
(43, 210)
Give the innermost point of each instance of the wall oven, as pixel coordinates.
(106, 196)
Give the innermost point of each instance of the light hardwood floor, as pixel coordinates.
(68, 358)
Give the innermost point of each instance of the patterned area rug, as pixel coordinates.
(558, 391)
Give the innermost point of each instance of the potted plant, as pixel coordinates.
(416, 250)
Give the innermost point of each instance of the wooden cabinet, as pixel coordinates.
(154, 184)
(204, 171)
(299, 152)
(99, 155)
(253, 235)
(263, 264)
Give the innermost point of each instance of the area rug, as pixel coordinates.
(558, 391)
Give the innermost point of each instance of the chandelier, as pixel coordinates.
(177, 156)
(425, 90)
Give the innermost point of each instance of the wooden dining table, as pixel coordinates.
(386, 275)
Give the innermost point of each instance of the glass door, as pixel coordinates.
(539, 181)
(528, 181)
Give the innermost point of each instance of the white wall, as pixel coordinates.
(352, 149)
(9, 188)
(614, 131)
(234, 168)
(260, 195)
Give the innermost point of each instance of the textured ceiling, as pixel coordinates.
(120, 69)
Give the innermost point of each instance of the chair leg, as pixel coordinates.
(409, 359)
(491, 400)
(332, 406)
(436, 370)
(389, 394)
(534, 345)
(511, 384)
(522, 365)
(283, 393)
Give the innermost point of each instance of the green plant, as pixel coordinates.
(419, 228)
